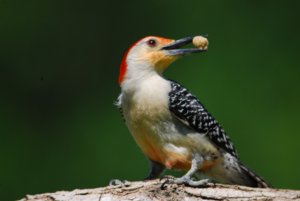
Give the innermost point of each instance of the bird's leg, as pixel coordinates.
(199, 175)
(187, 178)
(156, 170)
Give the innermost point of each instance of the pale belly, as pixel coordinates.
(161, 136)
(173, 146)
(163, 149)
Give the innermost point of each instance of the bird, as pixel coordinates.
(170, 125)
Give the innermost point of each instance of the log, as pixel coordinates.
(151, 190)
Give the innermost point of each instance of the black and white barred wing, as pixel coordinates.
(189, 110)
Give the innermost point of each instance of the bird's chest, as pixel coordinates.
(145, 109)
(148, 118)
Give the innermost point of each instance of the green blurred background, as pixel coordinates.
(59, 65)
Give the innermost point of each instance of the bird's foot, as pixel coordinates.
(116, 182)
(191, 182)
(186, 181)
(167, 177)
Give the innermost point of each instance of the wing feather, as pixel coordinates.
(186, 107)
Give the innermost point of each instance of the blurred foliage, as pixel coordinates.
(59, 65)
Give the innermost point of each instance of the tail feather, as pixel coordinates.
(256, 181)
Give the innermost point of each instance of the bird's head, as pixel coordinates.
(153, 54)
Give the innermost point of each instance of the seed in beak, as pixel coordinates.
(200, 42)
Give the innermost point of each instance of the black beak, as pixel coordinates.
(173, 48)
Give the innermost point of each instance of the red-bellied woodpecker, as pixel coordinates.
(171, 125)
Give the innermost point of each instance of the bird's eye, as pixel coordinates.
(151, 42)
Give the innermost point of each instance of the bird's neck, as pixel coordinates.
(148, 92)
(138, 75)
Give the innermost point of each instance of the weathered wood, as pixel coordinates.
(151, 190)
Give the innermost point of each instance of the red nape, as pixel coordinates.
(123, 66)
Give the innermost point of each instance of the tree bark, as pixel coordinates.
(151, 190)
